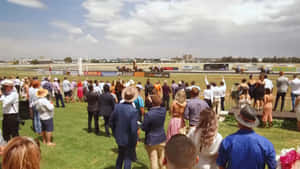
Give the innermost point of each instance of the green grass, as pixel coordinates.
(77, 149)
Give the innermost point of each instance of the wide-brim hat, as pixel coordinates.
(7, 83)
(129, 94)
(180, 97)
(41, 92)
(247, 117)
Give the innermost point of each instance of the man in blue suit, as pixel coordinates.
(155, 139)
(123, 122)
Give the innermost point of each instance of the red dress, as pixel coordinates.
(79, 90)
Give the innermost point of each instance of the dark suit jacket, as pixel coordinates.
(153, 125)
(107, 104)
(123, 122)
(93, 100)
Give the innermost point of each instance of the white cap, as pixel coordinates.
(55, 79)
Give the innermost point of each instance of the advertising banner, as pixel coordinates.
(92, 73)
(158, 75)
(109, 74)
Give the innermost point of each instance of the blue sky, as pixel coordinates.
(147, 28)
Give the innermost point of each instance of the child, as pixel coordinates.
(46, 110)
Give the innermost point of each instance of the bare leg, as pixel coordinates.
(44, 137)
(49, 136)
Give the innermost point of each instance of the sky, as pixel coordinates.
(149, 28)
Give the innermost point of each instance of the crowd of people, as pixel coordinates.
(191, 141)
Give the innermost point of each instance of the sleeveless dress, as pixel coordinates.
(176, 122)
(267, 114)
(251, 90)
(259, 92)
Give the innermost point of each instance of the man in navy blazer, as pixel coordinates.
(155, 139)
(123, 122)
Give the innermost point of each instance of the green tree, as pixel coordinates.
(16, 62)
(68, 60)
(95, 61)
(35, 62)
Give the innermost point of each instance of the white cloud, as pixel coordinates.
(74, 33)
(28, 3)
(90, 38)
(67, 27)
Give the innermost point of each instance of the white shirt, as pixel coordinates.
(207, 93)
(223, 89)
(194, 86)
(295, 86)
(216, 91)
(10, 103)
(45, 108)
(66, 86)
(97, 89)
(17, 82)
(268, 84)
(32, 96)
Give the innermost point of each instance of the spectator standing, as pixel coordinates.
(174, 87)
(245, 149)
(166, 95)
(123, 122)
(67, 89)
(176, 123)
(107, 104)
(158, 88)
(155, 138)
(268, 83)
(268, 104)
(222, 89)
(10, 109)
(80, 91)
(295, 90)
(46, 110)
(282, 85)
(194, 108)
(58, 93)
(207, 140)
(36, 115)
(208, 96)
(251, 85)
(93, 100)
(17, 83)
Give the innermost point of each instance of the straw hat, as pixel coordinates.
(180, 97)
(129, 94)
(247, 117)
(41, 93)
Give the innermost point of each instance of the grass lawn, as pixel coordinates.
(77, 149)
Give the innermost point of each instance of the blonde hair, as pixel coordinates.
(21, 153)
(208, 126)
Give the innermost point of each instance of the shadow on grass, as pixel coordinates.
(101, 133)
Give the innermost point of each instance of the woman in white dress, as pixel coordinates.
(297, 109)
(207, 140)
